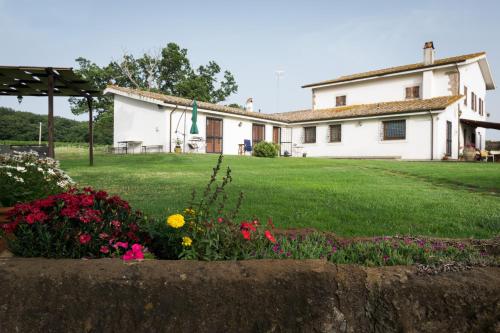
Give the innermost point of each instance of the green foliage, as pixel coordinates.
(168, 72)
(266, 149)
(25, 177)
(24, 126)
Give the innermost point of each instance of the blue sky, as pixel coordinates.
(309, 40)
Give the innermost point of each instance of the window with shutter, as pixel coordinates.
(412, 92)
(310, 134)
(336, 133)
(340, 100)
(466, 95)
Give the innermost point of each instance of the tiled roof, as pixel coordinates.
(343, 112)
(366, 110)
(398, 69)
(188, 102)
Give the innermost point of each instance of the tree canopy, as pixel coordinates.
(169, 72)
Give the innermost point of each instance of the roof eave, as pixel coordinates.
(487, 75)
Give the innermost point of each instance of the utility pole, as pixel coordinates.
(279, 73)
(40, 134)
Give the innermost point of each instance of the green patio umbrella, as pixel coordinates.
(194, 117)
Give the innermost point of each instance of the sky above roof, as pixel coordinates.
(309, 41)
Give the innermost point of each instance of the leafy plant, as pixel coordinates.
(266, 149)
(75, 224)
(25, 177)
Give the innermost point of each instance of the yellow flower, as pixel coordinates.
(175, 221)
(189, 211)
(186, 241)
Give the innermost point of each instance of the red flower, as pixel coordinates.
(84, 239)
(220, 220)
(44, 203)
(245, 233)
(116, 224)
(104, 249)
(87, 200)
(70, 212)
(247, 226)
(101, 195)
(270, 236)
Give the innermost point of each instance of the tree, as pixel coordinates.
(168, 71)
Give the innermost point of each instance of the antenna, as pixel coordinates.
(279, 74)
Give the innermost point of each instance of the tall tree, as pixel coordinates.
(168, 71)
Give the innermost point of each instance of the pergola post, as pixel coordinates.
(91, 133)
(50, 120)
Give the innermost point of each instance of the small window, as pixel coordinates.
(473, 101)
(335, 133)
(340, 100)
(412, 92)
(394, 130)
(481, 107)
(258, 133)
(310, 134)
(466, 94)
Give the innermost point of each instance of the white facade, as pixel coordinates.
(151, 121)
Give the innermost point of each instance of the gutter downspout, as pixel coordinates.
(458, 114)
(432, 136)
(170, 130)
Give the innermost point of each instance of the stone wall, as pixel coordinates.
(41, 295)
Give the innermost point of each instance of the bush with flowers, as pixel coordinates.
(75, 224)
(26, 177)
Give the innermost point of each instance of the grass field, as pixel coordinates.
(347, 197)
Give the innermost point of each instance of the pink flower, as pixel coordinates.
(220, 220)
(84, 239)
(123, 245)
(104, 249)
(103, 235)
(116, 224)
(135, 253)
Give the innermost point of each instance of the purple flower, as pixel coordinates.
(288, 254)
(334, 249)
(385, 258)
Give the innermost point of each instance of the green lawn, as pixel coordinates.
(347, 197)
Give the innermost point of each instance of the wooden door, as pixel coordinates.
(258, 133)
(448, 138)
(276, 135)
(214, 136)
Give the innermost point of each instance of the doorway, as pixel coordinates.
(214, 136)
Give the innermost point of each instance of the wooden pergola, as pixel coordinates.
(48, 82)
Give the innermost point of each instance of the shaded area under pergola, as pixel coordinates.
(478, 123)
(48, 81)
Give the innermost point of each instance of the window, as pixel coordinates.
(335, 133)
(340, 100)
(413, 92)
(310, 134)
(448, 138)
(481, 107)
(258, 133)
(394, 130)
(466, 94)
(473, 101)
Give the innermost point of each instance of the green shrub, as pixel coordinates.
(266, 149)
(26, 177)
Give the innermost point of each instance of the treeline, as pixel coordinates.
(23, 126)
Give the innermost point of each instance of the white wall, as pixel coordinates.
(138, 121)
(364, 138)
(386, 89)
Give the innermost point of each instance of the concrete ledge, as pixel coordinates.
(247, 296)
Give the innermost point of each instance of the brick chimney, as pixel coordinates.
(428, 53)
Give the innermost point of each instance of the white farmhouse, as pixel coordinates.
(426, 110)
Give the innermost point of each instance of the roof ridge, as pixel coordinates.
(397, 69)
